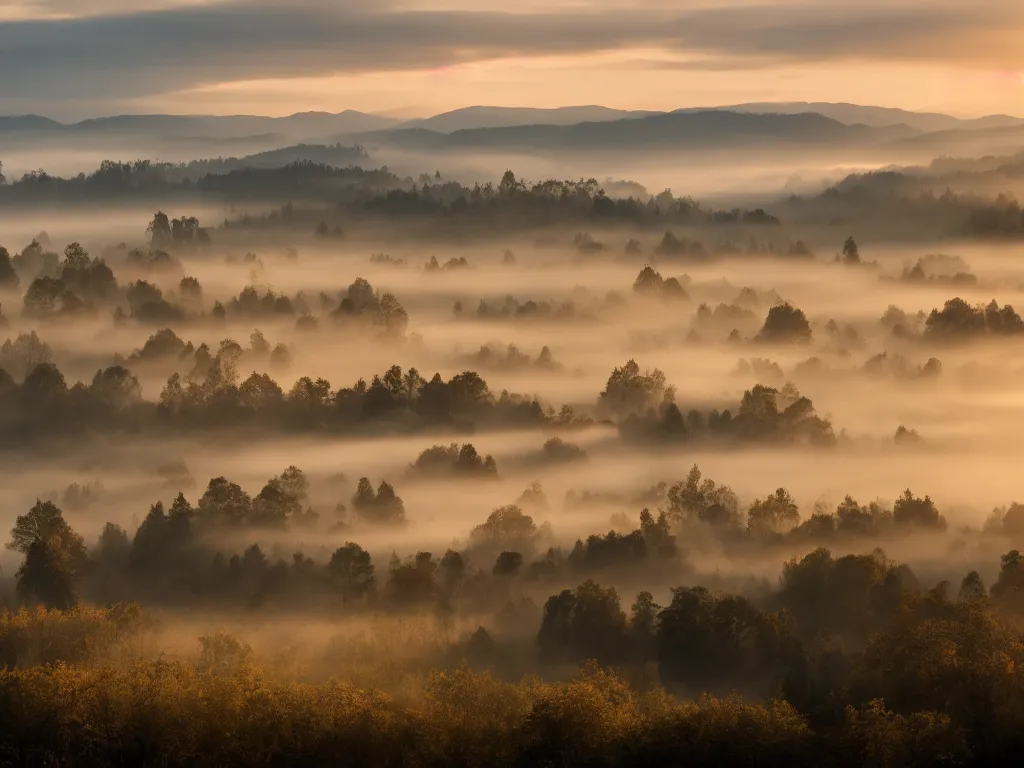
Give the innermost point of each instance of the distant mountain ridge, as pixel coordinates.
(300, 125)
(469, 118)
(875, 117)
(308, 125)
(792, 127)
(677, 130)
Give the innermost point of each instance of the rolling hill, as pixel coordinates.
(298, 126)
(875, 117)
(506, 117)
(710, 129)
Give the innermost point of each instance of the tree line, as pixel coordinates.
(212, 396)
(850, 661)
(208, 552)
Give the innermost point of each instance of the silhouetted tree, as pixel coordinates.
(352, 572)
(584, 623)
(45, 522)
(160, 229)
(785, 324)
(851, 253)
(45, 577)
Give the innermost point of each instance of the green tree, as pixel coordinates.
(775, 514)
(45, 577)
(45, 522)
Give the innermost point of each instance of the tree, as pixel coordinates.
(352, 571)
(8, 277)
(630, 391)
(972, 588)
(225, 501)
(260, 393)
(643, 626)
(1008, 591)
(693, 500)
(855, 520)
(116, 388)
(149, 547)
(469, 394)
(912, 511)
(190, 288)
(113, 548)
(775, 514)
(453, 569)
(648, 281)
(509, 185)
(412, 582)
(383, 507)
(76, 257)
(47, 296)
(584, 623)
(850, 596)
(45, 522)
(45, 577)
(185, 230)
(160, 229)
(24, 354)
(507, 527)
(364, 495)
(959, 320)
(44, 386)
(851, 253)
(412, 382)
(557, 450)
(507, 564)
(275, 504)
(294, 483)
(785, 324)
(715, 643)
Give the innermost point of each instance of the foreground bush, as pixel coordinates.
(170, 714)
(83, 634)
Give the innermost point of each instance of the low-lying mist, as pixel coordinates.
(436, 436)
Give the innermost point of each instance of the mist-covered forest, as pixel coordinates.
(329, 453)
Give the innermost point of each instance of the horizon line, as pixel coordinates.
(399, 120)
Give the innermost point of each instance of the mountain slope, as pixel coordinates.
(710, 129)
(876, 117)
(302, 125)
(470, 118)
(17, 123)
(1002, 140)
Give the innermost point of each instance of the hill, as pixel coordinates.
(710, 129)
(876, 117)
(470, 118)
(298, 126)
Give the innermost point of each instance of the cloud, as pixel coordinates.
(145, 53)
(141, 53)
(982, 33)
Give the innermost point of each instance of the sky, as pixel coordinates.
(72, 59)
